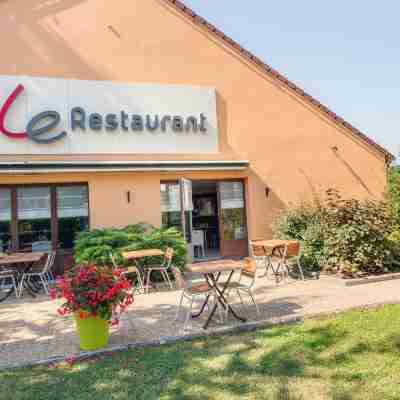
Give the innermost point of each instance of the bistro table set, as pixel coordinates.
(215, 289)
(273, 255)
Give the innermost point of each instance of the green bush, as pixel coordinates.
(347, 235)
(305, 224)
(97, 245)
(357, 233)
(393, 194)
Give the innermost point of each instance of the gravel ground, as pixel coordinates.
(31, 330)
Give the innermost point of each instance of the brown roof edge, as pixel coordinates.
(277, 75)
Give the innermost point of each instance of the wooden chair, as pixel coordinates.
(131, 270)
(293, 252)
(163, 269)
(192, 293)
(245, 283)
(258, 253)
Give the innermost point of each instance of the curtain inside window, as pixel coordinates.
(72, 201)
(232, 195)
(33, 202)
(170, 197)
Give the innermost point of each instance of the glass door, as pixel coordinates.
(177, 207)
(186, 197)
(232, 219)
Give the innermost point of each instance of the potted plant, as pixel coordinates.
(96, 296)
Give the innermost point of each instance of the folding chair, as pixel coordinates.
(245, 283)
(163, 269)
(192, 293)
(129, 271)
(43, 273)
(293, 252)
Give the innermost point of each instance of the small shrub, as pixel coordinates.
(350, 235)
(393, 194)
(357, 233)
(97, 245)
(305, 224)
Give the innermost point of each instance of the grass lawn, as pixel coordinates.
(353, 356)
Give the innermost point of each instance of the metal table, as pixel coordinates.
(274, 247)
(212, 272)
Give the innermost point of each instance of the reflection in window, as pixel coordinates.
(233, 211)
(171, 205)
(72, 213)
(5, 220)
(34, 217)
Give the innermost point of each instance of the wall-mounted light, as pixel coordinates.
(128, 196)
(335, 148)
(267, 191)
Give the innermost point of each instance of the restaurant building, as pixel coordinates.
(113, 113)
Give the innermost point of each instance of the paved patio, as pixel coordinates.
(31, 329)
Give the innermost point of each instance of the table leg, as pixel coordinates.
(27, 285)
(7, 295)
(222, 300)
(196, 315)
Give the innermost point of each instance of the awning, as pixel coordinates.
(44, 167)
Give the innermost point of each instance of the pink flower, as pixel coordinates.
(70, 361)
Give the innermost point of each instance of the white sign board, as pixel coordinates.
(63, 116)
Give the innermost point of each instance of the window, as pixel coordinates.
(72, 213)
(233, 210)
(44, 216)
(34, 218)
(5, 219)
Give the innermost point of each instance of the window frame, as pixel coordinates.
(53, 209)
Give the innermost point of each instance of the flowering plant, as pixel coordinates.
(92, 291)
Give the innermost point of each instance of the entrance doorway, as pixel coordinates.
(211, 214)
(205, 220)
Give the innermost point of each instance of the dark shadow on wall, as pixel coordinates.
(222, 114)
(310, 183)
(32, 39)
(351, 170)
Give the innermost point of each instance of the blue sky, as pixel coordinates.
(344, 53)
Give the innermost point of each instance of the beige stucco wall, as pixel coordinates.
(288, 142)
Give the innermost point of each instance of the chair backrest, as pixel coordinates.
(256, 250)
(48, 265)
(168, 255)
(180, 280)
(293, 249)
(250, 268)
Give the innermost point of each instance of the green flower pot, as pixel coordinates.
(93, 332)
